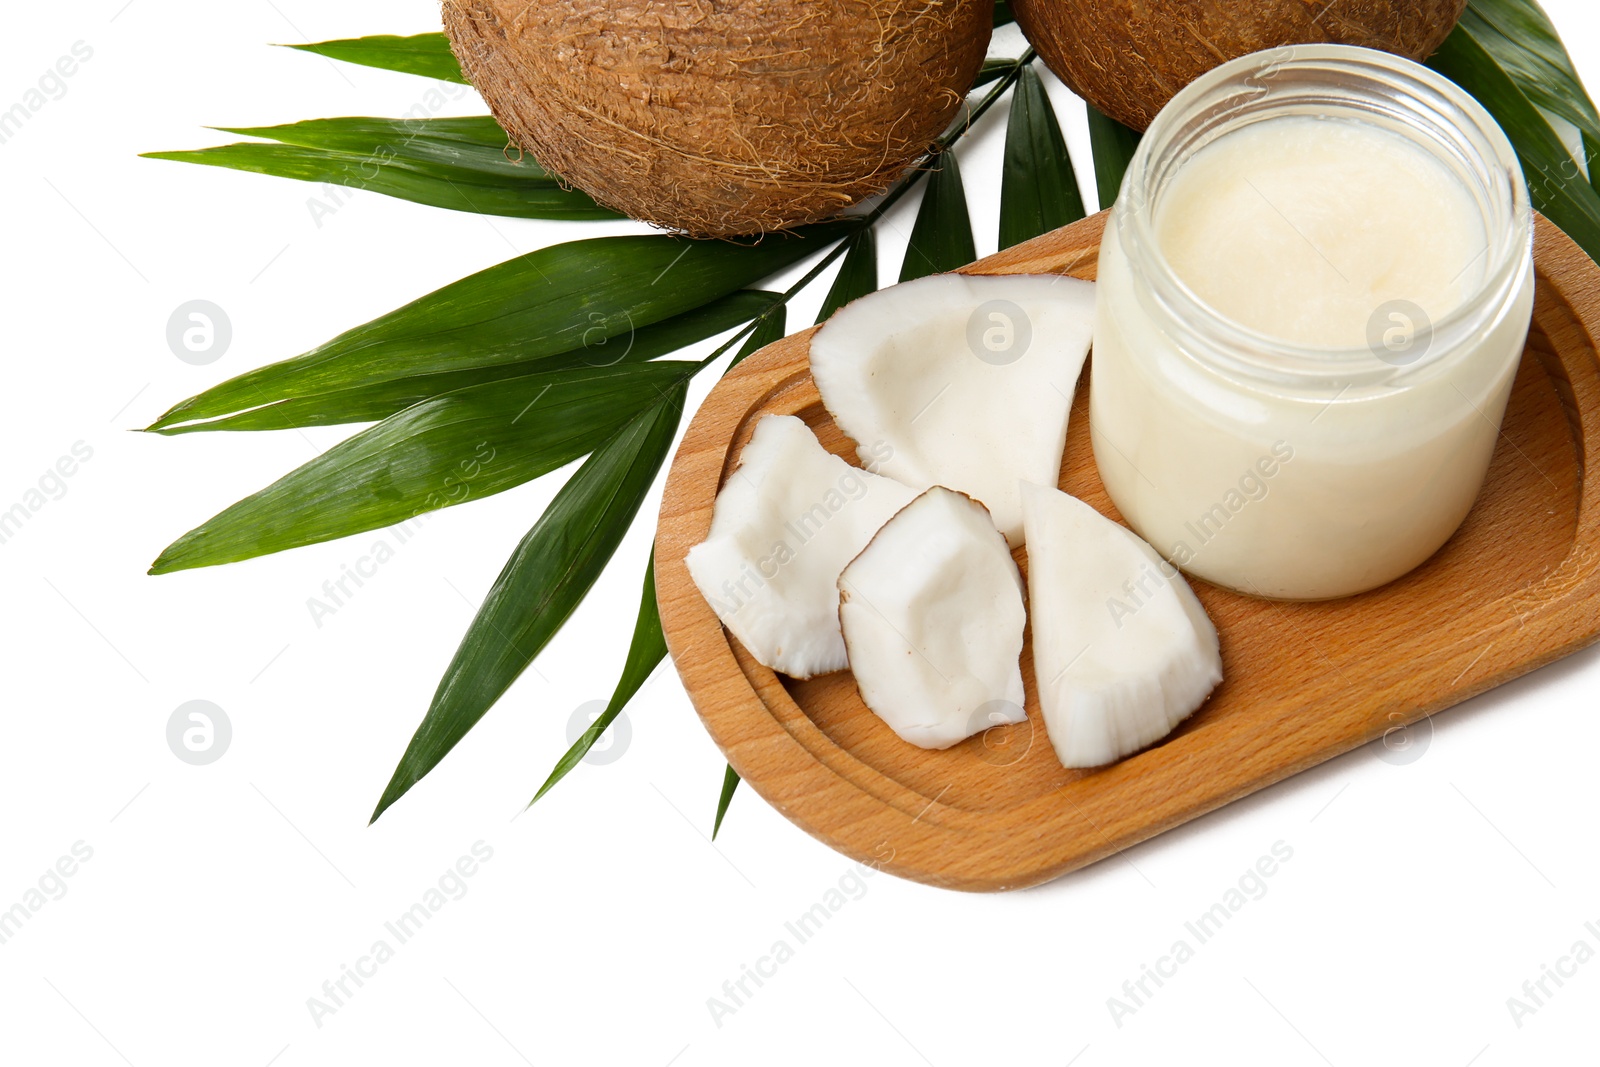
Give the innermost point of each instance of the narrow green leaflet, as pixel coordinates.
(730, 782)
(769, 329)
(546, 303)
(474, 147)
(645, 653)
(543, 582)
(535, 196)
(427, 54)
(378, 400)
(1113, 145)
(453, 448)
(476, 141)
(1556, 183)
(1521, 38)
(858, 274)
(463, 164)
(1038, 189)
(941, 238)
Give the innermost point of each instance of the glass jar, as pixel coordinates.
(1289, 469)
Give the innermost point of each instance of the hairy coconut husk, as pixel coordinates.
(1128, 57)
(723, 117)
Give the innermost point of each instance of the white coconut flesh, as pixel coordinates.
(933, 615)
(785, 524)
(964, 381)
(1122, 650)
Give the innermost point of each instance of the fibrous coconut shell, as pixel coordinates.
(1129, 57)
(723, 117)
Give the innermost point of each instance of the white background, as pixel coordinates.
(218, 899)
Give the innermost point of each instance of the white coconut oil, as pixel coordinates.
(1314, 293)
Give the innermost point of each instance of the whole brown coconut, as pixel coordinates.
(1128, 57)
(723, 117)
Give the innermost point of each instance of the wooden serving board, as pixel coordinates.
(1513, 590)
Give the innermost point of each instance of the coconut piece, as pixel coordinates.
(723, 118)
(785, 524)
(932, 617)
(1122, 649)
(960, 381)
(1128, 57)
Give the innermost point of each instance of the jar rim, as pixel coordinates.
(1241, 92)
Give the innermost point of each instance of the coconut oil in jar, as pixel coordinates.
(1314, 292)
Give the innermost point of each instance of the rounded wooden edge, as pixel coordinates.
(859, 812)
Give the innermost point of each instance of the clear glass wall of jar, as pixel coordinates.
(1285, 470)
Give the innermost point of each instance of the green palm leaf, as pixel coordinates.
(858, 274)
(1038, 189)
(771, 328)
(378, 400)
(543, 582)
(532, 197)
(547, 303)
(1556, 183)
(427, 54)
(445, 451)
(470, 144)
(1113, 145)
(1524, 42)
(941, 238)
(462, 164)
